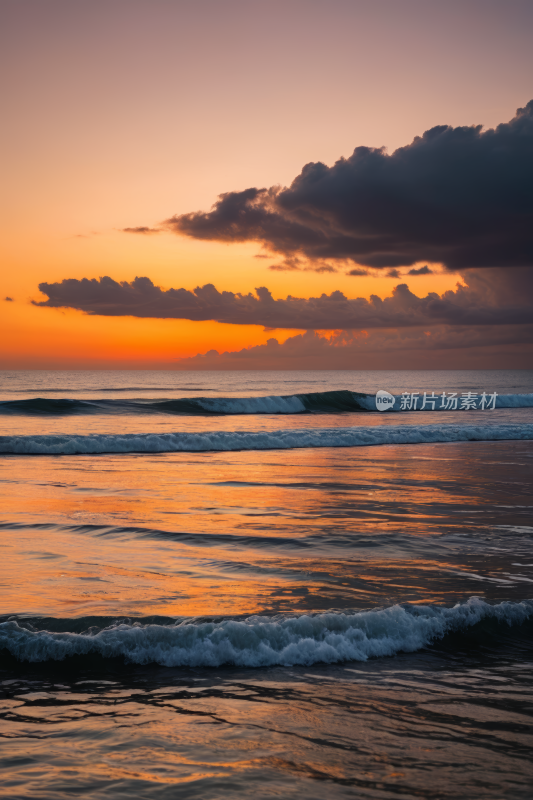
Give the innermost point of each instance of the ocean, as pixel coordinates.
(236, 584)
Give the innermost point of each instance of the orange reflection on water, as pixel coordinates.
(242, 533)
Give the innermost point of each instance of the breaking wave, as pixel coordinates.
(317, 402)
(265, 641)
(74, 444)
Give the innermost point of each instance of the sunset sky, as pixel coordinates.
(124, 122)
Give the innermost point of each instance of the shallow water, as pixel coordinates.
(454, 721)
(289, 622)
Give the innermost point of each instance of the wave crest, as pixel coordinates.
(314, 402)
(261, 641)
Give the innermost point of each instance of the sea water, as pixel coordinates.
(216, 584)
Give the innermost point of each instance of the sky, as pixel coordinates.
(266, 185)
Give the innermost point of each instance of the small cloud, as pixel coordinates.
(288, 264)
(421, 271)
(9, 300)
(292, 263)
(321, 268)
(393, 273)
(262, 255)
(357, 273)
(143, 229)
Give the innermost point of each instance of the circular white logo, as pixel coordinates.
(384, 401)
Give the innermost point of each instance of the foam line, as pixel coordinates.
(73, 444)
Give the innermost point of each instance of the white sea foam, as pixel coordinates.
(71, 444)
(263, 641)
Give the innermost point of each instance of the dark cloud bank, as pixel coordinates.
(442, 347)
(492, 297)
(461, 197)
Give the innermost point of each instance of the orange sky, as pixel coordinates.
(124, 113)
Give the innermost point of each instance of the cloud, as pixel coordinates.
(142, 229)
(9, 300)
(292, 263)
(490, 297)
(422, 271)
(441, 347)
(357, 272)
(456, 196)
